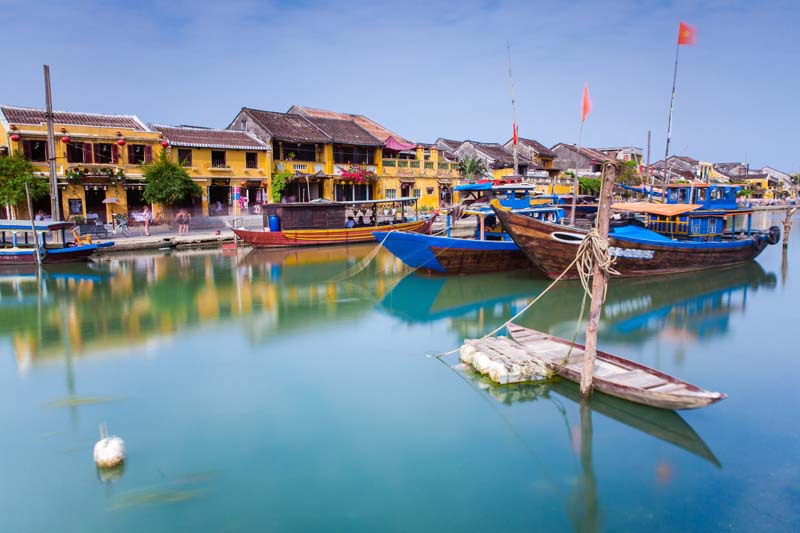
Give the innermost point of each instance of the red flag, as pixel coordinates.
(516, 135)
(686, 34)
(586, 106)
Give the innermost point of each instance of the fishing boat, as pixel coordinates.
(688, 233)
(18, 245)
(613, 375)
(319, 223)
(491, 249)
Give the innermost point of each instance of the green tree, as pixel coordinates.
(279, 182)
(590, 186)
(472, 168)
(628, 173)
(15, 172)
(167, 183)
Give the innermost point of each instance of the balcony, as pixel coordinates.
(421, 169)
(338, 168)
(306, 167)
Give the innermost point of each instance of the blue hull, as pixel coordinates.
(445, 255)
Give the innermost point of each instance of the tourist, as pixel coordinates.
(350, 223)
(146, 220)
(180, 218)
(39, 216)
(187, 218)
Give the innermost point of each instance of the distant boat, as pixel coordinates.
(324, 223)
(18, 245)
(613, 375)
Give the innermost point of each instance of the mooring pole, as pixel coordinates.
(33, 226)
(55, 210)
(787, 226)
(599, 280)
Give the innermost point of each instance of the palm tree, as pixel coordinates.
(472, 168)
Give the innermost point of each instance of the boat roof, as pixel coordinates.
(403, 199)
(490, 186)
(667, 210)
(25, 225)
(485, 209)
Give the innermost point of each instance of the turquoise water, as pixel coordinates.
(270, 392)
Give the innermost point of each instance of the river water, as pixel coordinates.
(289, 391)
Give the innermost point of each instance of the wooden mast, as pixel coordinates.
(599, 280)
(55, 211)
(513, 113)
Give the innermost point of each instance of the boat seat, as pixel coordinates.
(636, 378)
(668, 387)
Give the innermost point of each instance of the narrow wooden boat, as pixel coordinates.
(320, 237)
(613, 375)
(18, 244)
(447, 255)
(638, 250)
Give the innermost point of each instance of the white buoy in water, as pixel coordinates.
(109, 451)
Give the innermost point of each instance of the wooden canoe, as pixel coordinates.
(552, 247)
(320, 237)
(613, 375)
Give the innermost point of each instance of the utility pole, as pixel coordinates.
(55, 211)
(649, 175)
(513, 114)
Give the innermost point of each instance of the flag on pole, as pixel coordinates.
(516, 133)
(586, 105)
(687, 34)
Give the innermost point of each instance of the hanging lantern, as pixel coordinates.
(165, 143)
(15, 137)
(121, 141)
(65, 139)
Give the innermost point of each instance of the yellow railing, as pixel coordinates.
(307, 167)
(417, 168)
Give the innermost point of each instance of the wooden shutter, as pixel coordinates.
(26, 149)
(114, 154)
(97, 155)
(87, 153)
(148, 154)
(131, 155)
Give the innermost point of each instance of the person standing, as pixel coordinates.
(179, 219)
(146, 219)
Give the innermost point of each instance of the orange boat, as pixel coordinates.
(323, 223)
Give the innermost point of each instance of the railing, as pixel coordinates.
(306, 167)
(413, 168)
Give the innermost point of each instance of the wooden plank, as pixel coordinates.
(637, 379)
(669, 387)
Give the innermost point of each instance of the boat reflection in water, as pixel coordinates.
(683, 306)
(583, 506)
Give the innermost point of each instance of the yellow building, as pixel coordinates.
(98, 158)
(232, 167)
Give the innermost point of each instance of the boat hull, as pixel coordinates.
(445, 255)
(552, 248)
(70, 254)
(672, 394)
(321, 237)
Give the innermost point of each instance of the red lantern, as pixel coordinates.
(65, 139)
(121, 141)
(15, 137)
(165, 143)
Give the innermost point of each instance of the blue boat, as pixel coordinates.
(491, 249)
(21, 245)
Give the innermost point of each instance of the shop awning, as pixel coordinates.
(445, 182)
(393, 144)
(407, 180)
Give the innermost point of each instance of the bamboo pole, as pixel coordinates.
(599, 280)
(33, 226)
(787, 226)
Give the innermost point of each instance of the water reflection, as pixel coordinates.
(682, 307)
(138, 299)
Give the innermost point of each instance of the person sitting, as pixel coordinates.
(351, 223)
(39, 216)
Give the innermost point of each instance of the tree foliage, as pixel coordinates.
(167, 183)
(15, 172)
(472, 168)
(590, 186)
(279, 182)
(628, 173)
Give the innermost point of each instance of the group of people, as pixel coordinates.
(183, 218)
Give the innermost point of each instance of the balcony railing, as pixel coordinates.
(416, 168)
(306, 167)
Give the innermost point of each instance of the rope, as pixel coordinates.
(361, 265)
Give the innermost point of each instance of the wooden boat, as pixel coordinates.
(639, 251)
(18, 245)
(613, 375)
(324, 223)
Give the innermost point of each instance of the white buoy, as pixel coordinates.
(109, 451)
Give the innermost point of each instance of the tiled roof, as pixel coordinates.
(36, 117)
(345, 131)
(450, 143)
(376, 130)
(538, 147)
(288, 127)
(498, 152)
(210, 138)
(586, 152)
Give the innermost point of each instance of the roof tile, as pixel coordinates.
(36, 117)
(210, 138)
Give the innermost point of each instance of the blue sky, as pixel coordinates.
(429, 69)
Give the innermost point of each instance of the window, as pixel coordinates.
(391, 193)
(299, 151)
(243, 124)
(35, 151)
(429, 190)
(359, 155)
(139, 154)
(426, 155)
(185, 157)
(251, 160)
(79, 152)
(218, 159)
(3, 151)
(105, 153)
(428, 165)
(417, 193)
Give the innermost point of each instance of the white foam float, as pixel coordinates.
(108, 451)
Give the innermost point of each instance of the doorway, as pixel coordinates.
(219, 198)
(94, 204)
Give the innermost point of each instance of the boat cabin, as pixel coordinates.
(706, 195)
(327, 215)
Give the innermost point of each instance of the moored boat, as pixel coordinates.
(613, 375)
(19, 246)
(326, 223)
